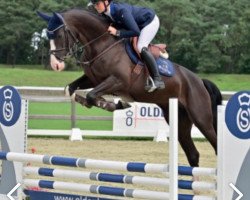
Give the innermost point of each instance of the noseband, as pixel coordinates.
(77, 48)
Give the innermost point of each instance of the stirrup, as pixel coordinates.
(150, 85)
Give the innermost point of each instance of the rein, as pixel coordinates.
(74, 49)
(102, 53)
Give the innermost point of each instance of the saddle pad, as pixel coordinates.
(166, 67)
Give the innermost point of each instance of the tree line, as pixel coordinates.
(211, 36)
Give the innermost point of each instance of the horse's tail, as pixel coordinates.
(216, 98)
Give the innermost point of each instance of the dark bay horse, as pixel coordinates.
(109, 70)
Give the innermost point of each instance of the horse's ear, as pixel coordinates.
(44, 16)
(59, 17)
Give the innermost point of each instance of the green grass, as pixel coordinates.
(66, 125)
(36, 76)
(65, 109)
(229, 82)
(26, 75)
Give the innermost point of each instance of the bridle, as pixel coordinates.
(77, 48)
(70, 50)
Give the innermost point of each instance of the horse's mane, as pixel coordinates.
(84, 11)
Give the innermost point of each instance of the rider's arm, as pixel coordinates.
(132, 29)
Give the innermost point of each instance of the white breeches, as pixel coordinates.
(148, 33)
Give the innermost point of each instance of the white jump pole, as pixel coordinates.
(173, 149)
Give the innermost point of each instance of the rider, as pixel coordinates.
(134, 21)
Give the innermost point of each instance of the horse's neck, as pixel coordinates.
(92, 33)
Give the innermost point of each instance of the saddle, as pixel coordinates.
(157, 50)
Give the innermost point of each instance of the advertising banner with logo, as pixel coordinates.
(13, 125)
(234, 147)
(141, 117)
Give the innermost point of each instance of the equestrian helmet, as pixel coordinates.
(95, 1)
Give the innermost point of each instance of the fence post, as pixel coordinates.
(173, 149)
(73, 114)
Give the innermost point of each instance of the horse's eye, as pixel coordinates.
(59, 36)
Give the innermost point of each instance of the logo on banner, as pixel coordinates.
(129, 118)
(10, 105)
(238, 115)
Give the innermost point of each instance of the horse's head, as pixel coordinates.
(74, 28)
(60, 40)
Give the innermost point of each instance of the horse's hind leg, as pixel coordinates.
(185, 138)
(200, 111)
(186, 142)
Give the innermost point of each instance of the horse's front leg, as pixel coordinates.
(109, 86)
(81, 83)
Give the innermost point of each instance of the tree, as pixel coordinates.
(220, 47)
(202, 35)
(16, 30)
(179, 23)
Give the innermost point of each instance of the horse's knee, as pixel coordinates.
(90, 97)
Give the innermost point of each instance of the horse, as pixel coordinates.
(109, 70)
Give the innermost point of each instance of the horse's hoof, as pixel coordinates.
(110, 107)
(73, 97)
(68, 91)
(122, 105)
(82, 101)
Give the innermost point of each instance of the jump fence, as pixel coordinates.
(231, 170)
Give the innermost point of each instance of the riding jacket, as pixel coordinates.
(130, 19)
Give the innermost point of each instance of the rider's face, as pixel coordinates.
(100, 6)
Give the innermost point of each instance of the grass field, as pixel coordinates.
(27, 75)
(64, 109)
(37, 76)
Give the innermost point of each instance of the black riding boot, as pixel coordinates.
(149, 60)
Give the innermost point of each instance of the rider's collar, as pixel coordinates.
(109, 11)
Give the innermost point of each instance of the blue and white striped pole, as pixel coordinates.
(104, 164)
(95, 189)
(105, 177)
(117, 178)
(85, 163)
